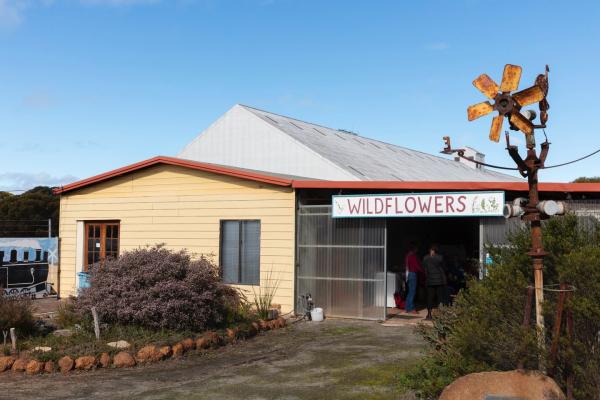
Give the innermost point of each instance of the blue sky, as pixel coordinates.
(91, 85)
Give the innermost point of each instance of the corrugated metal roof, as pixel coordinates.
(373, 160)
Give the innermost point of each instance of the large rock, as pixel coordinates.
(166, 351)
(123, 360)
(203, 343)
(522, 385)
(85, 363)
(49, 366)
(104, 360)
(213, 338)
(66, 364)
(188, 344)
(34, 367)
(20, 365)
(177, 350)
(148, 353)
(6, 363)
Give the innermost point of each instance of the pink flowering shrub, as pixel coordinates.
(159, 288)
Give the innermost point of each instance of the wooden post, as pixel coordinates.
(96, 323)
(13, 340)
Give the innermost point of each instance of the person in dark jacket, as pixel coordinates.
(433, 264)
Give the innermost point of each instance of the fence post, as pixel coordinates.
(13, 340)
(96, 323)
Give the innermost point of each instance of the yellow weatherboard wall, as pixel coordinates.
(182, 208)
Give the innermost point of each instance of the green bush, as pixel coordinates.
(67, 315)
(16, 313)
(581, 268)
(483, 330)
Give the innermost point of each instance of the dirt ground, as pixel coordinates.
(335, 359)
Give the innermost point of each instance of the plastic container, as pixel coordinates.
(84, 280)
(316, 314)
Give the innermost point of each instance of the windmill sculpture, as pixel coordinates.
(510, 105)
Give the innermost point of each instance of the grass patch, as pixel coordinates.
(384, 374)
(83, 342)
(379, 381)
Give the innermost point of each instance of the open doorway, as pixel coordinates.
(457, 240)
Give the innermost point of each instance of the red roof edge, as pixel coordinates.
(217, 169)
(445, 185)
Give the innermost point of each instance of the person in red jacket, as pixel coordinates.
(413, 267)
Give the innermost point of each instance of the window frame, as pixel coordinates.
(103, 225)
(240, 250)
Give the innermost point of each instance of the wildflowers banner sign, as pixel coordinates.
(451, 204)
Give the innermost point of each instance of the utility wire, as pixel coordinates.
(516, 169)
(574, 161)
(488, 165)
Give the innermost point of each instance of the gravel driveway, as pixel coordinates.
(335, 359)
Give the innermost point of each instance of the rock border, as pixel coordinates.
(147, 354)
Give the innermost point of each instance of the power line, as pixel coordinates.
(574, 161)
(516, 169)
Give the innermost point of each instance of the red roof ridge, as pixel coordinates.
(200, 166)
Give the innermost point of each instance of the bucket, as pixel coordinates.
(84, 280)
(316, 314)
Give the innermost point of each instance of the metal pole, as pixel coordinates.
(385, 271)
(49, 227)
(537, 252)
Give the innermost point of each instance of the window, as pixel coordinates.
(101, 241)
(240, 252)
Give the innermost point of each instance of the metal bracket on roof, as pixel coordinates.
(449, 150)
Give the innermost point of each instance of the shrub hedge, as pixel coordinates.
(483, 330)
(158, 288)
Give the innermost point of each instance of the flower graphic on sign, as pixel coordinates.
(485, 205)
(340, 206)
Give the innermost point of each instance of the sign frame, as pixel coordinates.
(404, 194)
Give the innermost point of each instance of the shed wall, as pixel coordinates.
(182, 208)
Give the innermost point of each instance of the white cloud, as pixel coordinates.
(11, 13)
(15, 181)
